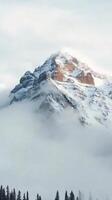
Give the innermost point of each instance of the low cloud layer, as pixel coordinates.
(43, 155)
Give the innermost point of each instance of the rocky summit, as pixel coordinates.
(62, 82)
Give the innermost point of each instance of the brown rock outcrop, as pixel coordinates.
(87, 79)
(58, 75)
(69, 67)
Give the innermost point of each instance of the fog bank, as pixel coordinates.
(43, 155)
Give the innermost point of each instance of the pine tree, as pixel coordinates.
(7, 193)
(38, 197)
(19, 196)
(77, 198)
(57, 196)
(11, 196)
(27, 196)
(14, 194)
(72, 197)
(24, 197)
(66, 196)
(3, 194)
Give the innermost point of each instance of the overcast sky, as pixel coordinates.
(31, 30)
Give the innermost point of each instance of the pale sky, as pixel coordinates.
(31, 30)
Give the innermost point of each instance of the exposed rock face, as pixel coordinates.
(86, 79)
(70, 68)
(58, 74)
(61, 71)
(63, 81)
(60, 67)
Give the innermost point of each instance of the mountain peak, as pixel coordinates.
(63, 81)
(68, 65)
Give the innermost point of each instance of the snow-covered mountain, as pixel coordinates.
(63, 81)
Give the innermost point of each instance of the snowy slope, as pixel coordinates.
(62, 82)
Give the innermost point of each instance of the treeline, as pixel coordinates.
(7, 194)
(71, 196)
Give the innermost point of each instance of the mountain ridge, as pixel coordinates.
(63, 81)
